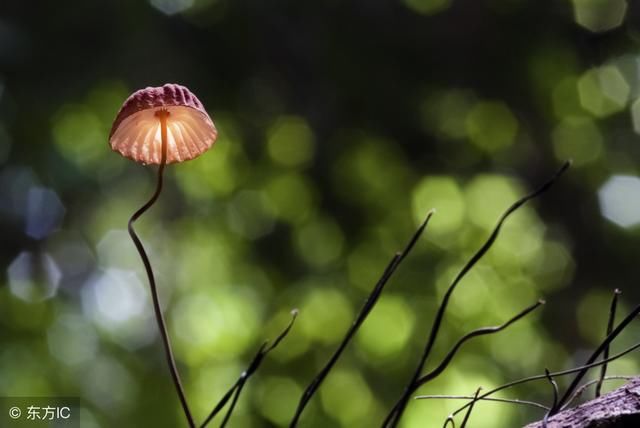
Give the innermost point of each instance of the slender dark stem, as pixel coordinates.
(580, 390)
(612, 319)
(398, 410)
(162, 116)
(475, 333)
(555, 374)
(232, 406)
(553, 383)
(576, 381)
(237, 387)
(449, 421)
(471, 397)
(447, 359)
(364, 312)
(470, 409)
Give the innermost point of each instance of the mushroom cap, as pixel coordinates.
(135, 133)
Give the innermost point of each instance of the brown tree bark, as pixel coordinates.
(619, 408)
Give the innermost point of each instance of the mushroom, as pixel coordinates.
(161, 125)
(167, 122)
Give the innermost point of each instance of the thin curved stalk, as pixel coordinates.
(555, 374)
(554, 385)
(361, 317)
(475, 333)
(612, 319)
(604, 345)
(162, 116)
(517, 401)
(471, 397)
(447, 359)
(580, 390)
(237, 387)
(396, 413)
(468, 414)
(449, 421)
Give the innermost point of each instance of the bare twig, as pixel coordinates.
(612, 319)
(396, 412)
(576, 381)
(471, 397)
(447, 359)
(236, 389)
(468, 414)
(162, 116)
(364, 312)
(580, 390)
(517, 401)
(554, 374)
(475, 333)
(449, 421)
(555, 396)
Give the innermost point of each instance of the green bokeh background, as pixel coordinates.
(341, 124)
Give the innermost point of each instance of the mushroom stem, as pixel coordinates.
(162, 116)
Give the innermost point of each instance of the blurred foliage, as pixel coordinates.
(341, 124)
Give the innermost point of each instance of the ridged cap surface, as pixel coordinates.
(135, 133)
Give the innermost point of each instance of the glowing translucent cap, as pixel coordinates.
(135, 133)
